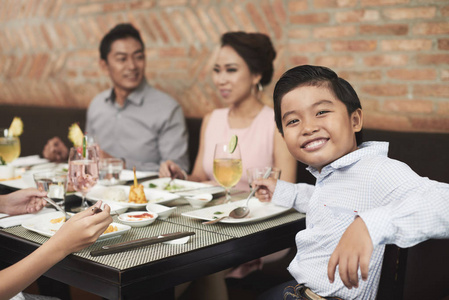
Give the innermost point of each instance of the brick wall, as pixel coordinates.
(394, 52)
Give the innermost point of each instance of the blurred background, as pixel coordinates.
(394, 52)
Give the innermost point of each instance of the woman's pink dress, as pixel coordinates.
(256, 141)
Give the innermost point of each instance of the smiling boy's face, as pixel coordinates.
(317, 127)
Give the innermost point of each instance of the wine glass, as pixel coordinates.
(227, 167)
(83, 171)
(9, 146)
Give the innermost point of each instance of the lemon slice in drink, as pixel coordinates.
(76, 135)
(233, 143)
(16, 127)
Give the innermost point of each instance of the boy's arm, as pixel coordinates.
(405, 223)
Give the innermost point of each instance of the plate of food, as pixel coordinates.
(48, 224)
(258, 211)
(120, 194)
(184, 187)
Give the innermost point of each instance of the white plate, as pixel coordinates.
(152, 195)
(183, 187)
(41, 224)
(258, 211)
(128, 175)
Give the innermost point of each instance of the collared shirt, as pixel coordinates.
(149, 129)
(384, 192)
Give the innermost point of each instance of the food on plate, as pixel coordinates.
(16, 127)
(136, 192)
(137, 195)
(111, 228)
(115, 194)
(174, 187)
(138, 217)
(58, 220)
(152, 185)
(76, 136)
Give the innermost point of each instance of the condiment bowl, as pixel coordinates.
(163, 211)
(138, 218)
(200, 200)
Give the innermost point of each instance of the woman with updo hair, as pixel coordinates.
(244, 65)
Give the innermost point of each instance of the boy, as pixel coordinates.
(376, 200)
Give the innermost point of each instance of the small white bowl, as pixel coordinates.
(163, 211)
(115, 208)
(200, 200)
(138, 218)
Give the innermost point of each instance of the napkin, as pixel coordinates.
(27, 161)
(19, 219)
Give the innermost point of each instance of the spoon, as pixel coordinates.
(241, 211)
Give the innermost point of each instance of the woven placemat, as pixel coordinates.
(141, 255)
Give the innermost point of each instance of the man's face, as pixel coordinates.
(125, 64)
(317, 127)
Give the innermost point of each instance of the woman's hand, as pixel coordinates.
(266, 188)
(81, 230)
(172, 170)
(26, 201)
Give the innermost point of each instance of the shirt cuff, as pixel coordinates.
(379, 224)
(284, 194)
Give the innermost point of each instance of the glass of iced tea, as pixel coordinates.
(83, 172)
(9, 146)
(227, 167)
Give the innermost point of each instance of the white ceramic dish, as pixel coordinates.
(115, 208)
(153, 196)
(258, 211)
(138, 218)
(41, 224)
(128, 175)
(163, 211)
(176, 186)
(199, 201)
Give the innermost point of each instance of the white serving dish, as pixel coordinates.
(128, 219)
(199, 201)
(163, 211)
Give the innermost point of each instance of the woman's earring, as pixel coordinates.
(260, 87)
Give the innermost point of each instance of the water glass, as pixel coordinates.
(54, 183)
(110, 170)
(259, 172)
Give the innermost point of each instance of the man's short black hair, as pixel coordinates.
(120, 31)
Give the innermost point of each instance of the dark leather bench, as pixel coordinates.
(419, 272)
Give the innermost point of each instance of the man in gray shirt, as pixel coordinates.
(133, 120)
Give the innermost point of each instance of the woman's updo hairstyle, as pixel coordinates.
(256, 50)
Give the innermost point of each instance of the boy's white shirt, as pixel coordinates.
(397, 205)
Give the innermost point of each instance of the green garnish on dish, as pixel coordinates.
(218, 213)
(152, 186)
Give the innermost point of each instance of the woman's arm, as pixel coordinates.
(283, 159)
(79, 232)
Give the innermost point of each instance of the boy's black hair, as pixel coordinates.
(120, 31)
(307, 75)
(256, 50)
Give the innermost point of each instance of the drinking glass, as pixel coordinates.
(259, 172)
(110, 170)
(9, 146)
(54, 183)
(227, 167)
(83, 172)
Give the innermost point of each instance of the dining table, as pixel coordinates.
(155, 270)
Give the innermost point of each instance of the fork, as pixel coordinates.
(67, 216)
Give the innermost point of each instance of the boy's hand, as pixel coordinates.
(266, 188)
(354, 249)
